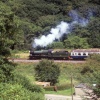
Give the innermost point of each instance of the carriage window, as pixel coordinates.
(84, 53)
(72, 54)
(79, 53)
(75, 53)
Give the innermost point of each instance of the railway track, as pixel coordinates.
(34, 61)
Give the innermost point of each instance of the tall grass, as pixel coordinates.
(27, 70)
(20, 54)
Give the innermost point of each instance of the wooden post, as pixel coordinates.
(55, 88)
(72, 86)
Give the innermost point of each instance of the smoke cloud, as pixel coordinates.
(60, 30)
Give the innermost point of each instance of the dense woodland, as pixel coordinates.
(34, 18)
(21, 21)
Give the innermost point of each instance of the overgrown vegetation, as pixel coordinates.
(64, 82)
(91, 73)
(17, 92)
(47, 71)
(23, 20)
(12, 86)
(86, 73)
(36, 18)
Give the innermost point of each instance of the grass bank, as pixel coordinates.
(66, 69)
(61, 92)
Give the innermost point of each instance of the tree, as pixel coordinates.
(47, 71)
(8, 37)
(76, 42)
(91, 72)
(94, 30)
(56, 45)
(9, 30)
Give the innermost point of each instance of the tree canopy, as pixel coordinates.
(47, 71)
(9, 34)
(38, 17)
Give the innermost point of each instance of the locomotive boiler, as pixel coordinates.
(49, 54)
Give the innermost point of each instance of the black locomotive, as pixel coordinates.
(49, 54)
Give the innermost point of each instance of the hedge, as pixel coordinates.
(59, 87)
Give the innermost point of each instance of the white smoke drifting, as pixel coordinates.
(56, 33)
(60, 30)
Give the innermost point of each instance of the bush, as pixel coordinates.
(19, 79)
(17, 92)
(97, 90)
(47, 71)
(90, 72)
(6, 70)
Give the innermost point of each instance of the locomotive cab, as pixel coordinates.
(59, 54)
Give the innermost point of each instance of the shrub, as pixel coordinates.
(47, 71)
(97, 90)
(26, 83)
(6, 70)
(90, 72)
(17, 92)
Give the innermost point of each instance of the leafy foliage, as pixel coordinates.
(12, 92)
(56, 45)
(47, 71)
(6, 70)
(21, 80)
(38, 17)
(94, 39)
(23, 20)
(8, 29)
(9, 36)
(76, 42)
(91, 72)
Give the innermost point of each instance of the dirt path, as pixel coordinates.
(79, 92)
(60, 97)
(79, 95)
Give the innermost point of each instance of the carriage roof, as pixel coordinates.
(86, 50)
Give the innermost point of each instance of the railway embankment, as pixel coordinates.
(33, 61)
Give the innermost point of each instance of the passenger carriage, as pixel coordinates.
(83, 53)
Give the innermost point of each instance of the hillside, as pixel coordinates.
(36, 18)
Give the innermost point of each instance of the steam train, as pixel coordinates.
(63, 54)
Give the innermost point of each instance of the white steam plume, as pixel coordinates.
(56, 33)
(60, 30)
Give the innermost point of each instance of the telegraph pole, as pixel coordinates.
(72, 85)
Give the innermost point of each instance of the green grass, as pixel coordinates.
(27, 70)
(20, 54)
(61, 92)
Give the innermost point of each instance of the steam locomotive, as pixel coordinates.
(63, 54)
